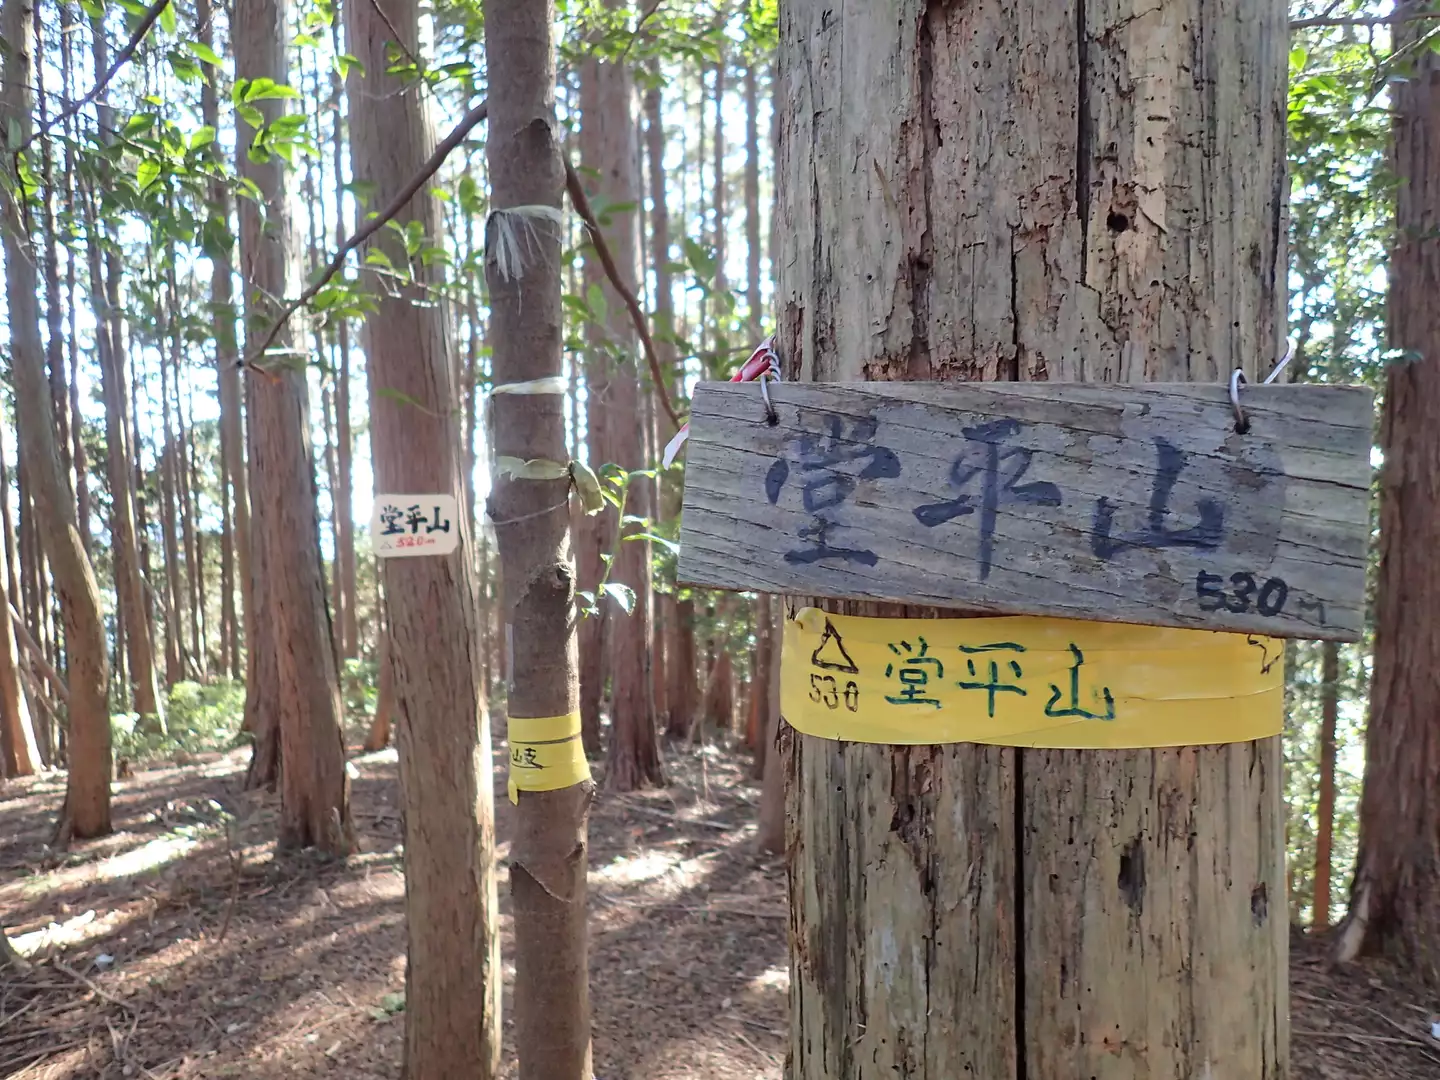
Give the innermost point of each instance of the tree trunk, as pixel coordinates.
(452, 981)
(717, 147)
(19, 752)
(129, 586)
(719, 709)
(607, 146)
(778, 739)
(683, 691)
(1395, 901)
(345, 441)
(953, 206)
(174, 629)
(87, 794)
(1325, 809)
(548, 854)
(220, 247)
(379, 735)
(289, 587)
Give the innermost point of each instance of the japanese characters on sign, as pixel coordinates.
(1134, 503)
(409, 525)
(1025, 681)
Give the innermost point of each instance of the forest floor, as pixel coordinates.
(185, 946)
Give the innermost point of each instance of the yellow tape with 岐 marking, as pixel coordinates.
(546, 754)
(1025, 681)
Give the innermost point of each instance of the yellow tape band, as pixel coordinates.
(546, 754)
(1022, 681)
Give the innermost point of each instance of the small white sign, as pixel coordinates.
(406, 525)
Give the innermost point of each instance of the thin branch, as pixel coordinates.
(432, 165)
(37, 655)
(121, 59)
(602, 249)
(1369, 20)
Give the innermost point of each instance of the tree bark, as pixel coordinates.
(289, 587)
(1033, 190)
(683, 691)
(87, 794)
(452, 980)
(548, 854)
(607, 146)
(1395, 901)
(1325, 808)
(227, 353)
(174, 592)
(379, 735)
(19, 751)
(129, 586)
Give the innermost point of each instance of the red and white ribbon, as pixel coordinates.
(763, 364)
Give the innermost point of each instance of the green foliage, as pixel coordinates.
(199, 717)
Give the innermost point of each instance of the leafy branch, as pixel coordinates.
(432, 165)
(607, 260)
(142, 28)
(1365, 20)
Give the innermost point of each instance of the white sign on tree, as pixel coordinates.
(404, 526)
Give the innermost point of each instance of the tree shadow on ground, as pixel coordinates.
(229, 959)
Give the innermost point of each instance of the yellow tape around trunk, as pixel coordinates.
(546, 754)
(1023, 681)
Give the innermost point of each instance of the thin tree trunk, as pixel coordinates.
(453, 975)
(345, 507)
(718, 199)
(87, 795)
(289, 582)
(548, 855)
(379, 735)
(1325, 808)
(174, 624)
(607, 145)
(129, 586)
(1395, 901)
(232, 439)
(19, 751)
(199, 634)
(953, 208)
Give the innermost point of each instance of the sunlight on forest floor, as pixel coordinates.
(185, 946)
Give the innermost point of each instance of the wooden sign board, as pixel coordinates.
(1136, 503)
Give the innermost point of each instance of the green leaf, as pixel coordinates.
(205, 54)
(95, 9)
(251, 115)
(663, 541)
(265, 89)
(588, 485)
(537, 469)
(345, 62)
(147, 173)
(167, 17)
(201, 137)
(621, 594)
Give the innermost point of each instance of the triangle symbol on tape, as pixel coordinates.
(837, 652)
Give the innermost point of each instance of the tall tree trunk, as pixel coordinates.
(19, 751)
(72, 194)
(1395, 901)
(1325, 810)
(718, 199)
(345, 441)
(380, 724)
(953, 207)
(219, 247)
(550, 848)
(174, 593)
(129, 586)
(289, 584)
(683, 688)
(607, 146)
(452, 981)
(87, 793)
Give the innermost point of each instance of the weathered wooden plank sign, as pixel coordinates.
(1135, 503)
